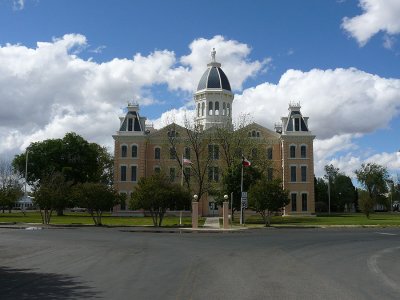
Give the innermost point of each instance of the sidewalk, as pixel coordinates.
(212, 223)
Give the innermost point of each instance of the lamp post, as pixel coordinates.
(329, 195)
(26, 180)
(195, 212)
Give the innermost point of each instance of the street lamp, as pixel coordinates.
(195, 197)
(329, 194)
(226, 197)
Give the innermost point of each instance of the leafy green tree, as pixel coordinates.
(10, 186)
(77, 159)
(321, 194)
(156, 194)
(344, 192)
(96, 197)
(374, 178)
(9, 195)
(366, 203)
(72, 156)
(231, 181)
(266, 197)
(53, 193)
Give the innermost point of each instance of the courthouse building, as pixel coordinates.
(140, 150)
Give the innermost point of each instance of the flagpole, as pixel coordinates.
(241, 193)
(180, 212)
(182, 170)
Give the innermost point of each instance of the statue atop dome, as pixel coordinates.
(213, 52)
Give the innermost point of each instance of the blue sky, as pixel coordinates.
(340, 59)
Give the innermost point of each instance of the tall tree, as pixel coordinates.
(96, 197)
(156, 194)
(10, 186)
(374, 178)
(192, 137)
(340, 189)
(266, 197)
(235, 142)
(53, 193)
(321, 195)
(73, 157)
(344, 192)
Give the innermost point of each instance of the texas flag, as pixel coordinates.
(187, 161)
(245, 162)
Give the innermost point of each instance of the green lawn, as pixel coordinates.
(334, 219)
(85, 219)
(383, 219)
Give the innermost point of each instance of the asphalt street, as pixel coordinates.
(112, 263)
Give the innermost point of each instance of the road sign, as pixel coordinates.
(244, 194)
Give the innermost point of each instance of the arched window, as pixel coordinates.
(202, 109)
(228, 109)
(253, 133)
(303, 151)
(254, 153)
(217, 108)
(269, 153)
(134, 151)
(198, 110)
(224, 109)
(124, 151)
(157, 153)
(292, 150)
(210, 108)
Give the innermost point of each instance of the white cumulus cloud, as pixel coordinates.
(343, 105)
(378, 15)
(48, 90)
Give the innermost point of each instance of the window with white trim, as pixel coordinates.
(303, 173)
(292, 151)
(134, 173)
(123, 173)
(124, 151)
(293, 170)
(304, 201)
(303, 151)
(134, 151)
(293, 200)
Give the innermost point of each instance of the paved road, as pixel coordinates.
(108, 263)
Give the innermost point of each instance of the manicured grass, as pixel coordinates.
(86, 219)
(384, 219)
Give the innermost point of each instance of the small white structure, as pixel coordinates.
(25, 202)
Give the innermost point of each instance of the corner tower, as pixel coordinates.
(297, 161)
(213, 97)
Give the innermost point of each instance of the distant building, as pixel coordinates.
(141, 150)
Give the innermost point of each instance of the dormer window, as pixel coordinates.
(172, 133)
(297, 124)
(130, 124)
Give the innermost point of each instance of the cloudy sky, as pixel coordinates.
(73, 65)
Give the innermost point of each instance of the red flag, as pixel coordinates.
(187, 161)
(245, 162)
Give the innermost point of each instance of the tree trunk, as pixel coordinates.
(92, 215)
(160, 219)
(98, 213)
